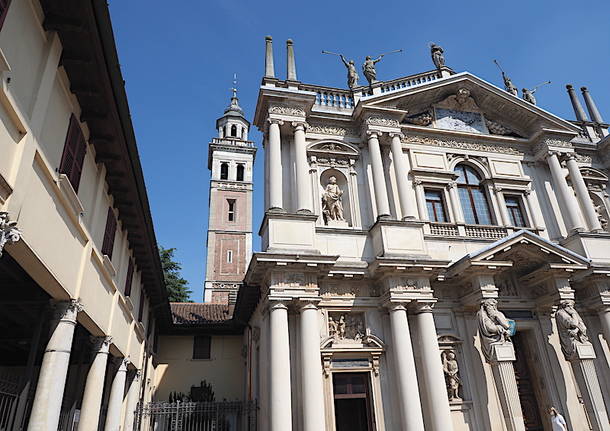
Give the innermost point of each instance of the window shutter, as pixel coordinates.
(109, 234)
(73, 156)
(129, 279)
(141, 306)
(202, 346)
(4, 4)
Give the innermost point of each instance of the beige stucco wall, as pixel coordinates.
(177, 371)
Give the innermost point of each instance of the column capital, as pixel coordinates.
(399, 135)
(424, 306)
(373, 134)
(396, 306)
(275, 121)
(101, 344)
(300, 125)
(278, 304)
(308, 303)
(67, 310)
(497, 189)
(451, 184)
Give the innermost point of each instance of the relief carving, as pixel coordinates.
(346, 327)
(423, 119)
(380, 121)
(294, 111)
(331, 129)
(462, 145)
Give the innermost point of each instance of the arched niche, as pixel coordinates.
(602, 210)
(326, 202)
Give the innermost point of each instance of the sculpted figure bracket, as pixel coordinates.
(494, 327)
(572, 329)
(9, 233)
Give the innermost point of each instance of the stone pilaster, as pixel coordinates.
(275, 165)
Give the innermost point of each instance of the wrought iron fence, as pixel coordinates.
(9, 396)
(197, 416)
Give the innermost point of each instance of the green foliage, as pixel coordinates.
(177, 287)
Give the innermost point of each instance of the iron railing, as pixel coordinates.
(197, 416)
(9, 397)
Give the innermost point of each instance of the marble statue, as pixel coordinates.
(341, 327)
(368, 68)
(528, 95)
(352, 74)
(493, 326)
(509, 86)
(332, 207)
(438, 58)
(9, 233)
(571, 328)
(332, 327)
(451, 369)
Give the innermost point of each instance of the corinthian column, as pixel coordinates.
(280, 399)
(54, 369)
(275, 165)
(434, 377)
(113, 417)
(302, 168)
(409, 404)
(400, 169)
(311, 369)
(582, 194)
(458, 214)
(94, 386)
(381, 192)
(571, 217)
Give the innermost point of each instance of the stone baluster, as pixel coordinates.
(434, 377)
(275, 165)
(381, 192)
(571, 216)
(115, 402)
(582, 195)
(94, 386)
(311, 369)
(401, 171)
(54, 369)
(409, 404)
(302, 168)
(133, 395)
(280, 399)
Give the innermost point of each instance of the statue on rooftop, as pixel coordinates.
(438, 57)
(368, 68)
(509, 86)
(528, 95)
(352, 73)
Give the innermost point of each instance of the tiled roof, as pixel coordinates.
(196, 313)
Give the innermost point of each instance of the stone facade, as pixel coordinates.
(469, 218)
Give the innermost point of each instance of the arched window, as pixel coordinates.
(472, 196)
(234, 131)
(224, 131)
(224, 171)
(243, 129)
(240, 172)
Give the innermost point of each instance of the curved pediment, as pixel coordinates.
(333, 147)
(467, 103)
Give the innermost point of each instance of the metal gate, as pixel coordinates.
(200, 416)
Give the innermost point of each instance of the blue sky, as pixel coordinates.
(178, 60)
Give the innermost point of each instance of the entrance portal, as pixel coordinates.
(530, 406)
(352, 402)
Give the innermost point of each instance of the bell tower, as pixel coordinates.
(229, 242)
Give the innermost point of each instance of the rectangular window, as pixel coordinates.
(129, 279)
(436, 205)
(231, 211)
(141, 306)
(230, 256)
(73, 156)
(4, 4)
(202, 347)
(515, 210)
(109, 234)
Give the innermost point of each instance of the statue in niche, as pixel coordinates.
(494, 327)
(603, 221)
(572, 329)
(368, 68)
(332, 327)
(438, 57)
(332, 207)
(451, 369)
(528, 95)
(341, 327)
(352, 73)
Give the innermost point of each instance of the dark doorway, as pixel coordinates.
(526, 381)
(352, 395)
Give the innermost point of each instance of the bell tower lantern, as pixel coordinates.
(229, 242)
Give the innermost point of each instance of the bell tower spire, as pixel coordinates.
(229, 244)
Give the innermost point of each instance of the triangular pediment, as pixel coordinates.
(523, 251)
(468, 104)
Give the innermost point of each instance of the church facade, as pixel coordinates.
(435, 255)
